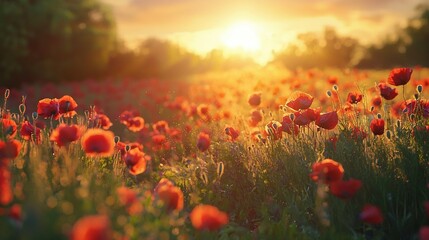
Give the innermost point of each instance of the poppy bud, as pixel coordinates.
(388, 134)
(329, 93)
(22, 108)
(372, 109)
(416, 96)
(335, 88)
(117, 139)
(378, 115)
(127, 148)
(220, 169)
(419, 88)
(7, 93)
(412, 117)
(292, 116)
(34, 115)
(398, 123)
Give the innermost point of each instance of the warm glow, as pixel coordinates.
(242, 35)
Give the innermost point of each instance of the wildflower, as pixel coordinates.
(92, 227)
(135, 161)
(399, 76)
(160, 142)
(358, 133)
(98, 143)
(207, 217)
(102, 121)
(371, 214)
(288, 125)
(9, 149)
(232, 133)
(327, 171)
(67, 106)
(299, 100)
(170, 195)
(6, 194)
(48, 108)
(387, 92)
(255, 118)
(354, 97)
(135, 124)
(274, 129)
(377, 126)
(161, 127)
(327, 120)
(28, 130)
(64, 134)
(345, 189)
(203, 142)
(305, 117)
(120, 146)
(254, 99)
(9, 127)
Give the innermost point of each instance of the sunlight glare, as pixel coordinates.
(242, 35)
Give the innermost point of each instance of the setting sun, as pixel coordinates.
(242, 35)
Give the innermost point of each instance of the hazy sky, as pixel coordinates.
(201, 25)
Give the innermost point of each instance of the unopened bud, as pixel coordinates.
(7, 93)
(378, 115)
(329, 93)
(419, 88)
(34, 115)
(335, 88)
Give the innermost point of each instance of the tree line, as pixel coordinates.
(63, 40)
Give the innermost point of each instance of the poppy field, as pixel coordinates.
(251, 154)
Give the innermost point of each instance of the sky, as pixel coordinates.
(257, 27)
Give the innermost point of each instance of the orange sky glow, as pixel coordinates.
(253, 26)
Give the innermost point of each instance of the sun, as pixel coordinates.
(242, 35)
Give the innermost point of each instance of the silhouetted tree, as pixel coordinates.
(54, 40)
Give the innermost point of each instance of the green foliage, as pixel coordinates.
(53, 40)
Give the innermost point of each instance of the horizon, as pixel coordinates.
(260, 29)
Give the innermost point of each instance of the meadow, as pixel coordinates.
(248, 154)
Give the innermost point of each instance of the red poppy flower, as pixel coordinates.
(67, 106)
(120, 146)
(9, 149)
(6, 194)
(161, 127)
(299, 100)
(162, 182)
(128, 198)
(160, 142)
(207, 217)
(377, 126)
(305, 117)
(102, 121)
(288, 125)
(98, 143)
(345, 189)
(28, 130)
(399, 76)
(125, 115)
(387, 92)
(203, 142)
(92, 227)
(135, 161)
(327, 120)
(424, 233)
(376, 101)
(9, 127)
(203, 110)
(255, 99)
(371, 214)
(354, 97)
(64, 134)
(327, 171)
(170, 195)
(358, 133)
(255, 118)
(15, 212)
(274, 130)
(232, 133)
(47, 108)
(135, 124)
